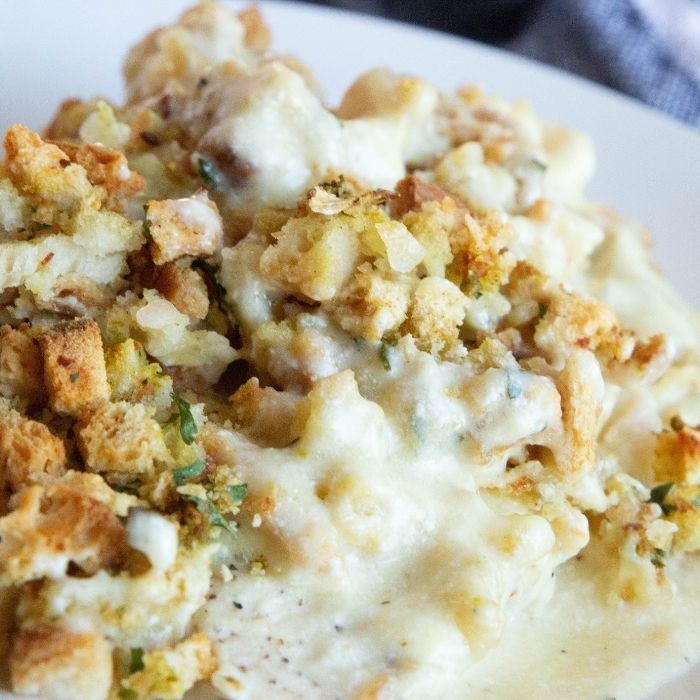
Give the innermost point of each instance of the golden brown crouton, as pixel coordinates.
(121, 437)
(28, 451)
(314, 255)
(434, 227)
(581, 388)
(684, 502)
(62, 665)
(44, 169)
(94, 486)
(107, 168)
(371, 306)
(437, 311)
(677, 455)
(527, 283)
(572, 321)
(21, 370)
(48, 528)
(74, 367)
(184, 288)
(189, 226)
(482, 261)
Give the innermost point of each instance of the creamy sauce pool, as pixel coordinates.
(582, 648)
(579, 647)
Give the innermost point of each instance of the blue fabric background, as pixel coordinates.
(608, 41)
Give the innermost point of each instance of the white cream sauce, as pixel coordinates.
(384, 563)
(284, 140)
(581, 648)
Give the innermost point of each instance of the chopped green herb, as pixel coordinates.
(238, 492)
(418, 425)
(477, 294)
(695, 502)
(188, 427)
(205, 506)
(384, 355)
(201, 503)
(668, 508)
(542, 309)
(513, 387)
(128, 694)
(136, 660)
(539, 164)
(218, 520)
(41, 227)
(209, 173)
(146, 226)
(183, 474)
(658, 559)
(74, 377)
(659, 493)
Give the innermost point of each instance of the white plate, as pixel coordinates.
(648, 165)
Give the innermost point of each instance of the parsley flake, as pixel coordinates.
(128, 694)
(183, 474)
(658, 558)
(188, 427)
(658, 495)
(419, 426)
(209, 174)
(146, 226)
(206, 507)
(542, 309)
(384, 356)
(74, 377)
(238, 492)
(513, 387)
(136, 660)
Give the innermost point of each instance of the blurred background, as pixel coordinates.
(648, 49)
